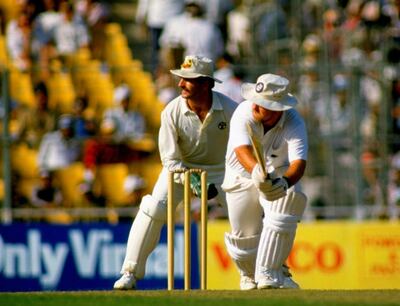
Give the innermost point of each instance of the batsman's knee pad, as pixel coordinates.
(143, 236)
(294, 203)
(279, 230)
(156, 210)
(283, 214)
(243, 251)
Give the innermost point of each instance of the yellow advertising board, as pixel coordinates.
(325, 255)
(222, 272)
(379, 256)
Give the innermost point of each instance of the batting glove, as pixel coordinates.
(277, 190)
(258, 176)
(262, 183)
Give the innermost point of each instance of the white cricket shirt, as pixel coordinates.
(185, 141)
(286, 142)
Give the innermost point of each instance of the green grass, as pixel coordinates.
(203, 298)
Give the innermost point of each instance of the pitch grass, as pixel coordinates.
(203, 298)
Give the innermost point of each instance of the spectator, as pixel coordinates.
(44, 26)
(120, 131)
(269, 22)
(59, 149)
(371, 92)
(69, 35)
(238, 42)
(128, 122)
(216, 11)
(104, 150)
(394, 188)
(165, 86)
(95, 14)
(313, 92)
(190, 33)
(156, 13)
(336, 118)
(34, 123)
(336, 127)
(231, 77)
(331, 34)
(395, 112)
(84, 119)
(311, 48)
(18, 35)
(372, 190)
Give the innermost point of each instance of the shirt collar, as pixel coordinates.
(216, 104)
(281, 120)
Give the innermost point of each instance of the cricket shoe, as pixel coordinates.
(247, 283)
(288, 282)
(268, 279)
(126, 282)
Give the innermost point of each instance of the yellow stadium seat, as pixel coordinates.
(21, 88)
(146, 144)
(69, 180)
(150, 170)
(3, 51)
(24, 161)
(80, 57)
(1, 190)
(11, 8)
(61, 92)
(145, 96)
(117, 51)
(111, 178)
(121, 73)
(102, 92)
(25, 186)
(113, 28)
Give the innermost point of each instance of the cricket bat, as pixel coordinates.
(257, 149)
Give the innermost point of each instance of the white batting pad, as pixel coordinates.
(143, 236)
(279, 230)
(243, 251)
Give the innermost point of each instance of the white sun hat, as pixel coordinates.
(270, 92)
(196, 66)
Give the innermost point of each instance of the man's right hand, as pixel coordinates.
(269, 190)
(258, 177)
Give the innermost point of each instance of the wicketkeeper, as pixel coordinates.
(193, 134)
(265, 207)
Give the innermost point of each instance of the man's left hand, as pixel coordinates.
(278, 189)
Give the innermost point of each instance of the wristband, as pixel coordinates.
(287, 182)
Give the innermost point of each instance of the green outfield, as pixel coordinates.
(201, 298)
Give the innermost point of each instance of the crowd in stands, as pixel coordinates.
(81, 102)
(74, 119)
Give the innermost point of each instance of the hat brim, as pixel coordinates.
(249, 93)
(191, 75)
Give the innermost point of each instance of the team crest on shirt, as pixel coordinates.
(222, 125)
